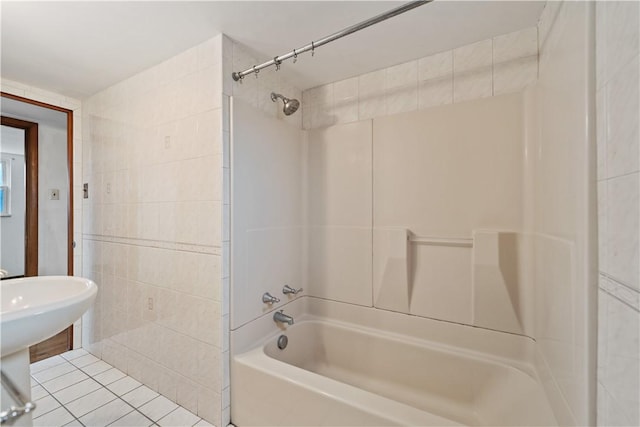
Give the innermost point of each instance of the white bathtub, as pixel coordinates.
(344, 373)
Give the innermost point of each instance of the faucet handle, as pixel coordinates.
(267, 298)
(289, 290)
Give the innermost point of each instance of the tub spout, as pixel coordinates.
(279, 316)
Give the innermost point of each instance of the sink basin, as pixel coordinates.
(36, 308)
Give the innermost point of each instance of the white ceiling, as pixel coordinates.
(80, 48)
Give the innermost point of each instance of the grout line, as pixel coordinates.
(64, 388)
(93, 410)
(619, 282)
(61, 405)
(68, 360)
(606, 291)
(52, 378)
(127, 414)
(163, 417)
(609, 178)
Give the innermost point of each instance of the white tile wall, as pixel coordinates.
(618, 139)
(497, 66)
(153, 234)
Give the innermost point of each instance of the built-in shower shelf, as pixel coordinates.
(440, 241)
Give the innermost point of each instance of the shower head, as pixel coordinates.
(290, 105)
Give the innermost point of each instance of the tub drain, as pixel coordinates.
(282, 342)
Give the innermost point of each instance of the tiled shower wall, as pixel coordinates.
(153, 221)
(495, 66)
(618, 109)
(36, 94)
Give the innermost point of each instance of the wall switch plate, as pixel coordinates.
(54, 194)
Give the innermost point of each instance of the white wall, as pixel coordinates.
(496, 66)
(339, 197)
(618, 100)
(267, 195)
(12, 227)
(52, 214)
(53, 173)
(153, 229)
(448, 172)
(563, 212)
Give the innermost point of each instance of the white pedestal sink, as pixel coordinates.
(34, 309)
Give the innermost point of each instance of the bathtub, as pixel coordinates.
(336, 372)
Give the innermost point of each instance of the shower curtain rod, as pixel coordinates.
(239, 75)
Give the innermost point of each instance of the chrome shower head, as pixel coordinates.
(290, 105)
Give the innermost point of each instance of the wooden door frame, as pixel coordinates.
(69, 114)
(31, 187)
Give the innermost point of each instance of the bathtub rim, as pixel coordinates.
(524, 367)
(330, 388)
(516, 349)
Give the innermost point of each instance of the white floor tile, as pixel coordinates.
(46, 363)
(134, 418)
(139, 396)
(44, 405)
(64, 381)
(203, 423)
(96, 368)
(76, 391)
(38, 392)
(109, 376)
(56, 371)
(57, 417)
(178, 418)
(87, 388)
(85, 360)
(157, 408)
(89, 402)
(106, 414)
(123, 385)
(73, 354)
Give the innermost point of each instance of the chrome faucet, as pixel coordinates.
(279, 316)
(289, 290)
(267, 298)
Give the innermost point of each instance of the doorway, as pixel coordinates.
(47, 212)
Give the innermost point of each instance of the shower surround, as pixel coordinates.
(435, 188)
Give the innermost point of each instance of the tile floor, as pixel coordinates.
(78, 389)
